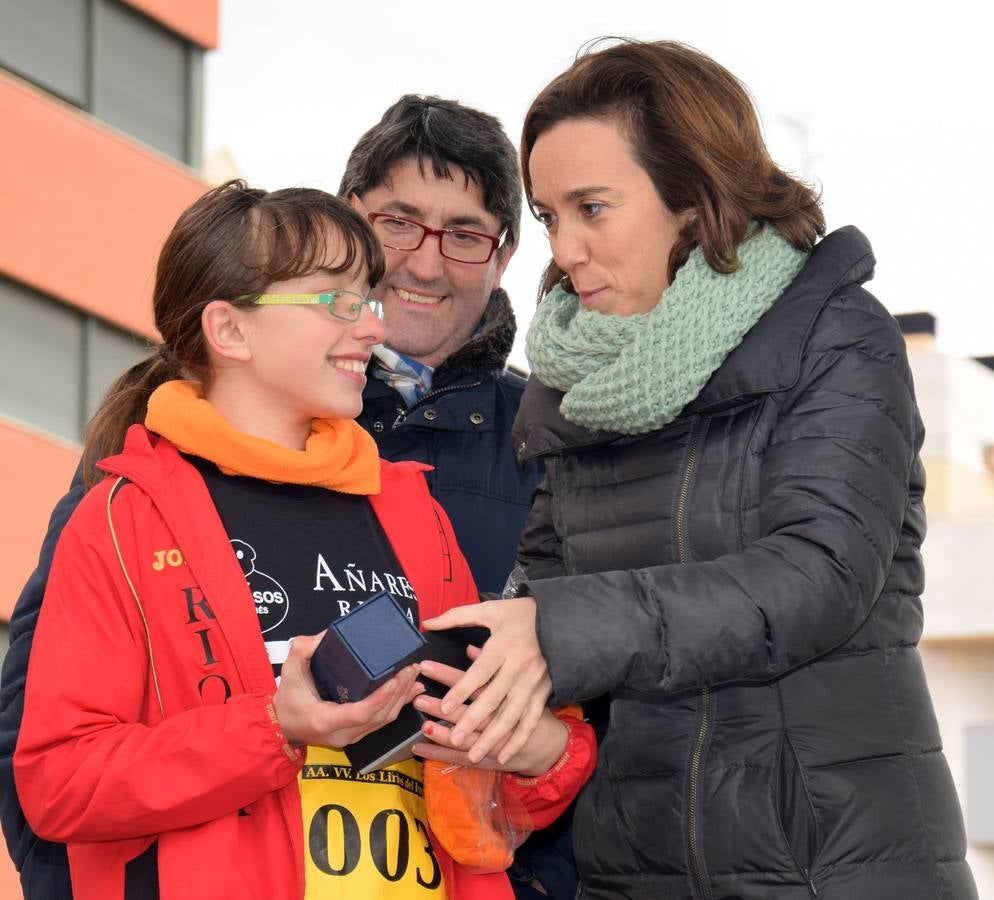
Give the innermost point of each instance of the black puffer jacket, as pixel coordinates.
(744, 584)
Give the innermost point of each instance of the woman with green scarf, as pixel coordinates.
(726, 544)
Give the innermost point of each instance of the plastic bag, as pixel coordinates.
(479, 827)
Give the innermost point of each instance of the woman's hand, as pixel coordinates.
(509, 680)
(539, 754)
(307, 719)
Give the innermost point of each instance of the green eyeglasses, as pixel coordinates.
(344, 305)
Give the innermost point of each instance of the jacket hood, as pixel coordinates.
(767, 361)
(146, 460)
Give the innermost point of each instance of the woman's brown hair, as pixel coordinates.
(693, 127)
(229, 245)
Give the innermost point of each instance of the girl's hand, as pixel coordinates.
(509, 680)
(307, 719)
(543, 749)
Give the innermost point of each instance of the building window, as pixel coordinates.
(45, 41)
(141, 84)
(56, 362)
(111, 61)
(41, 345)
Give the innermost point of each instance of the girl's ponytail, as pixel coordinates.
(124, 405)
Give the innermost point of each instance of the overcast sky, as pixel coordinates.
(886, 106)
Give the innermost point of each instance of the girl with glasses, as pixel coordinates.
(172, 735)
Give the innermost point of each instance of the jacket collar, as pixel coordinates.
(487, 350)
(767, 361)
(769, 358)
(474, 365)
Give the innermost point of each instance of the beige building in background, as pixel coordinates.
(956, 398)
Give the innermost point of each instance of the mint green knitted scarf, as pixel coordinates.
(633, 374)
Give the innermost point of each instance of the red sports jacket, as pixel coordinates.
(149, 740)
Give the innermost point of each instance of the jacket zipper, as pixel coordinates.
(701, 888)
(681, 503)
(696, 861)
(402, 414)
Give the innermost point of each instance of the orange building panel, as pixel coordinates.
(83, 209)
(83, 213)
(196, 20)
(10, 884)
(34, 474)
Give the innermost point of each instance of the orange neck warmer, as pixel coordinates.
(338, 455)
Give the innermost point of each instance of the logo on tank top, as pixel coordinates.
(272, 604)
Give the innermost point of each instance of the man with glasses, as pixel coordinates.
(439, 184)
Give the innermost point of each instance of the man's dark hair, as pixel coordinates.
(443, 133)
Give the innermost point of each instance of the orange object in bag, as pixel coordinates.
(471, 818)
(479, 825)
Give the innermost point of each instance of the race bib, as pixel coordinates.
(366, 835)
